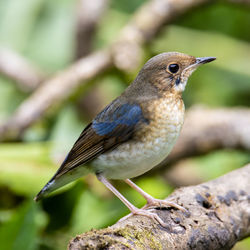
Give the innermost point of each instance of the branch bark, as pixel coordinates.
(219, 217)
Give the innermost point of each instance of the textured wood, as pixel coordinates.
(219, 217)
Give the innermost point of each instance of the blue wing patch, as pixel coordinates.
(127, 115)
(113, 126)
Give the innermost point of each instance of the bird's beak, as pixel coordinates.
(199, 61)
(203, 60)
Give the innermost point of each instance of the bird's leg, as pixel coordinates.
(134, 210)
(151, 201)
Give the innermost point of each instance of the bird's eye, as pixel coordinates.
(173, 68)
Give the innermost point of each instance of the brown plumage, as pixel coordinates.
(136, 131)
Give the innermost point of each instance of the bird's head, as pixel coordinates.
(170, 71)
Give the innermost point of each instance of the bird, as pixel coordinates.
(135, 132)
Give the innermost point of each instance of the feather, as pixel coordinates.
(110, 128)
(113, 126)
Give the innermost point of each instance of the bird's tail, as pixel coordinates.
(49, 187)
(59, 181)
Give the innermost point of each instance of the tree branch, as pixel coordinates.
(124, 53)
(53, 91)
(19, 69)
(207, 129)
(89, 14)
(219, 217)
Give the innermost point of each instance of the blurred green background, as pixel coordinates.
(43, 31)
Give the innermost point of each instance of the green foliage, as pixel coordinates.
(44, 32)
(21, 231)
(10, 98)
(24, 168)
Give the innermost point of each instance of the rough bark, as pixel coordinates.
(219, 216)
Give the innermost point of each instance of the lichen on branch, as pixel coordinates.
(219, 217)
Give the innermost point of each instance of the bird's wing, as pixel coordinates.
(113, 126)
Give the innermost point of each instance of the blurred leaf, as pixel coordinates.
(155, 186)
(52, 44)
(67, 200)
(65, 132)
(232, 54)
(5, 215)
(110, 86)
(231, 19)
(210, 166)
(37, 132)
(10, 98)
(91, 212)
(22, 229)
(126, 6)
(221, 162)
(242, 245)
(199, 169)
(18, 22)
(110, 26)
(217, 87)
(25, 168)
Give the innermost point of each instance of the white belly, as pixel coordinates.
(134, 158)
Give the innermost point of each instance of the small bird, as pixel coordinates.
(135, 132)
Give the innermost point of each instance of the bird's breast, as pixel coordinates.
(150, 145)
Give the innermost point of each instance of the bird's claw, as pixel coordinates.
(164, 203)
(146, 213)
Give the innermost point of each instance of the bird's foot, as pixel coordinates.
(152, 202)
(146, 213)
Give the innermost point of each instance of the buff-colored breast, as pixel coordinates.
(151, 145)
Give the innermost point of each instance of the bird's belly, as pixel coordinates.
(150, 147)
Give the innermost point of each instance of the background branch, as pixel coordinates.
(217, 128)
(219, 217)
(88, 17)
(53, 91)
(125, 53)
(17, 68)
